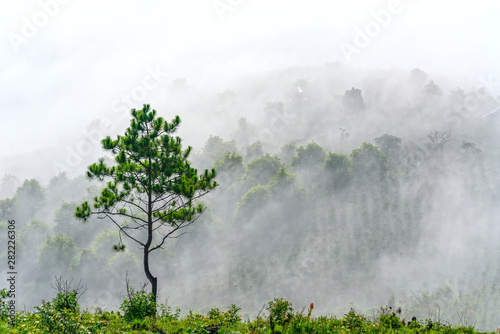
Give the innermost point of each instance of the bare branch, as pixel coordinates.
(64, 286)
(182, 225)
(122, 230)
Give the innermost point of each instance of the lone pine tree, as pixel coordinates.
(152, 187)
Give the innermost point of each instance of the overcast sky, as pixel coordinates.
(65, 63)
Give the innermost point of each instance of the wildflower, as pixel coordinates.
(309, 311)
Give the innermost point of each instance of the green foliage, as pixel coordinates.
(66, 213)
(57, 189)
(32, 235)
(138, 305)
(61, 315)
(287, 152)
(368, 163)
(56, 321)
(256, 197)
(166, 312)
(67, 224)
(231, 167)
(228, 318)
(4, 294)
(389, 145)
(414, 324)
(124, 260)
(86, 257)
(281, 319)
(216, 148)
(245, 133)
(284, 185)
(264, 168)
(390, 321)
(7, 209)
(102, 243)
(66, 301)
(152, 185)
(338, 170)
(280, 312)
(56, 252)
(354, 321)
(151, 162)
(309, 156)
(28, 200)
(474, 307)
(231, 316)
(254, 151)
(36, 227)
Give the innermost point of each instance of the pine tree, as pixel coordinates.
(152, 191)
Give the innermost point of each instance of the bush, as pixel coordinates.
(231, 316)
(57, 321)
(63, 318)
(66, 301)
(390, 321)
(167, 313)
(280, 312)
(138, 305)
(354, 321)
(4, 311)
(219, 318)
(61, 315)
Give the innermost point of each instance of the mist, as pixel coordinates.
(356, 147)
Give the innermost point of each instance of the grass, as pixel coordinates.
(280, 318)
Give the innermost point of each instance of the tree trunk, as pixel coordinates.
(153, 280)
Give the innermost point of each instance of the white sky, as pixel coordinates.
(89, 52)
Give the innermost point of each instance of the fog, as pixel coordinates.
(275, 73)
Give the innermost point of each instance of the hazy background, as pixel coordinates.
(89, 53)
(68, 83)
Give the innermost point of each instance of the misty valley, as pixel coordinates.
(315, 199)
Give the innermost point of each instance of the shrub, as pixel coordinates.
(166, 312)
(64, 318)
(231, 316)
(60, 321)
(66, 301)
(4, 311)
(138, 305)
(219, 318)
(390, 321)
(280, 312)
(353, 321)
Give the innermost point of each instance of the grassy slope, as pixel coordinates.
(84, 322)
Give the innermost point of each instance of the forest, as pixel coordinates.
(371, 194)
